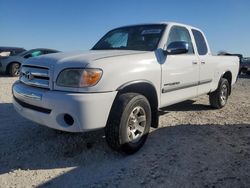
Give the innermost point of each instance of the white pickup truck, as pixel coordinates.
(122, 82)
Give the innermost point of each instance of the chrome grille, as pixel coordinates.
(35, 76)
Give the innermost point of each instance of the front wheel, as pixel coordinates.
(14, 69)
(218, 98)
(129, 123)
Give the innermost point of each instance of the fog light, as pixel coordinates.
(68, 119)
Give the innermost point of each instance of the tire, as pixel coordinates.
(248, 72)
(218, 98)
(240, 71)
(14, 69)
(243, 70)
(129, 123)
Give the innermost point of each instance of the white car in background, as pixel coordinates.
(11, 64)
(10, 51)
(6, 52)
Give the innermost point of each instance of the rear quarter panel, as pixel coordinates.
(222, 65)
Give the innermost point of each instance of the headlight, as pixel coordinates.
(79, 77)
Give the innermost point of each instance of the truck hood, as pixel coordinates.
(77, 58)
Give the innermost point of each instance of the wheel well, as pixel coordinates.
(148, 91)
(8, 66)
(228, 75)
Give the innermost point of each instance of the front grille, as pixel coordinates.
(35, 76)
(32, 107)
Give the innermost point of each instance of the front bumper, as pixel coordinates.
(89, 111)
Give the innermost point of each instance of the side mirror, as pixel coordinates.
(178, 47)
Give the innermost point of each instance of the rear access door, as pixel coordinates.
(206, 64)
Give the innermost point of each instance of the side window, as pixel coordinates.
(178, 33)
(200, 42)
(50, 51)
(43, 52)
(47, 52)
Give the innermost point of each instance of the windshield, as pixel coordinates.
(24, 53)
(32, 53)
(140, 37)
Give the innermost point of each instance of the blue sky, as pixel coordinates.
(78, 24)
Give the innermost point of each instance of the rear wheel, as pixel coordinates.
(240, 71)
(14, 69)
(129, 123)
(243, 70)
(218, 98)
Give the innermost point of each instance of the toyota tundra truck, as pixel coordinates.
(123, 81)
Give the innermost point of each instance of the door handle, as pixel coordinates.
(203, 62)
(194, 63)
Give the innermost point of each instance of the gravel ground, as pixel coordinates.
(195, 146)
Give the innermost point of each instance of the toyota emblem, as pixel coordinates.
(29, 75)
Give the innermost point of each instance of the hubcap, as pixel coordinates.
(223, 94)
(16, 70)
(136, 124)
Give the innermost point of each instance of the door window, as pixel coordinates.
(178, 33)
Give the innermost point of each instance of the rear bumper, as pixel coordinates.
(89, 111)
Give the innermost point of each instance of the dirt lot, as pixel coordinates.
(196, 146)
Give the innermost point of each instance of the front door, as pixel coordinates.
(180, 73)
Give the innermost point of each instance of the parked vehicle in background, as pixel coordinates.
(12, 64)
(122, 82)
(10, 51)
(245, 66)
